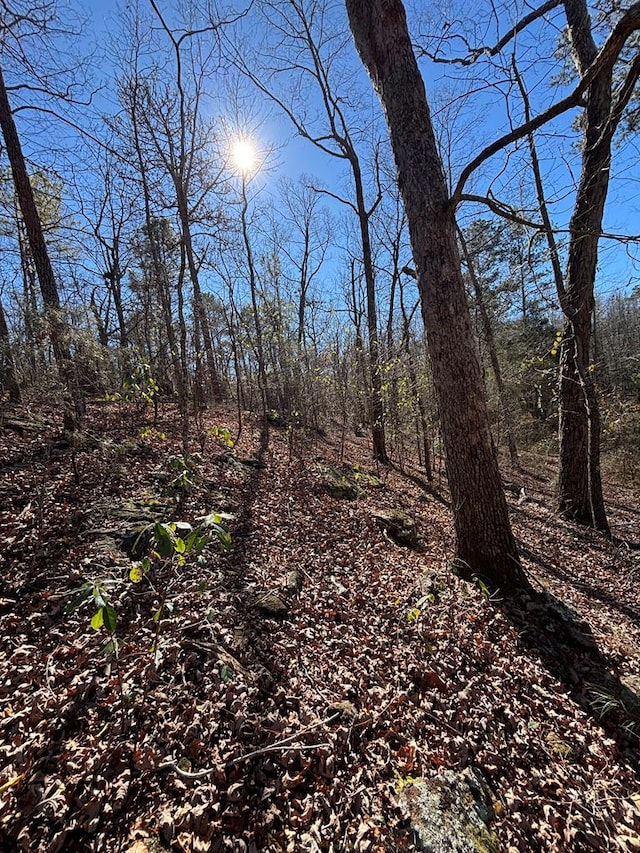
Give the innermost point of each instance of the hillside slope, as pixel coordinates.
(293, 686)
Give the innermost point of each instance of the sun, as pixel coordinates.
(244, 155)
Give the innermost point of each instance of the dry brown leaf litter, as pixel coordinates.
(296, 734)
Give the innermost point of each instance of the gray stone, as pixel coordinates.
(451, 812)
(398, 526)
(271, 604)
(293, 581)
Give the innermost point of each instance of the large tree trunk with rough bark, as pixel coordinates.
(74, 405)
(580, 485)
(485, 543)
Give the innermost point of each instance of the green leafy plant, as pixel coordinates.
(183, 481)
(150, 432)
(482, 586)
(222, 435)
(97, 593)
(607, 700)
(415, 612)
(171, 547)
(105, 618)
(402, 782)
(139, 387)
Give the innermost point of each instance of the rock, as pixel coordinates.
(432, 582)
(107, 549)
(132, 524)
(139, 511)
(293, 581)
(271, 604)
(451, 812)
(342, 489)
(251, 462)
(22, 425)
(220, 499)
(398, 526)
(230, 458)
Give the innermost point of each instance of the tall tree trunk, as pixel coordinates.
(580, 484)
(485, 543)
(376, 403)
(493, 352)
(361, 415)
(113, 277)
(255, 307)
(6, 360)
(74, 405)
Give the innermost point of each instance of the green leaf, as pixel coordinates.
(164, 539)
(84, 594)
(97, 621)
(179, 545)
(225, 539)
(135, 573)
(110, 617)
(158, 614)
(196, 542)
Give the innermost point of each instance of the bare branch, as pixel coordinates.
(603, 62)
(503, 210)
(476, 52)
(345, 201)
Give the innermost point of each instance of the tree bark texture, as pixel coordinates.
(485, 543)
(41, 260)
(580, 484)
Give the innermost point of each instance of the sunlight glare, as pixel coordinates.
(244, 155)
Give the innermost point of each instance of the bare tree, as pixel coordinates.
(607, 80)
(580, 483)
(74, 407)
(306, 53)
(485, 543)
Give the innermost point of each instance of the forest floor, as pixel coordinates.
(222, 726)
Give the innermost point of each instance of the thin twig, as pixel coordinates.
(286, 743)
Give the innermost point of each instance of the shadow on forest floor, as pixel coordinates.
(593, 590)
(553, 632)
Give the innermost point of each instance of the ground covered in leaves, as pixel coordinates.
(282, 693)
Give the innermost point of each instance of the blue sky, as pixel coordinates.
(560, 158)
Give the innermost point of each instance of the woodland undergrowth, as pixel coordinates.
(251, 664)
